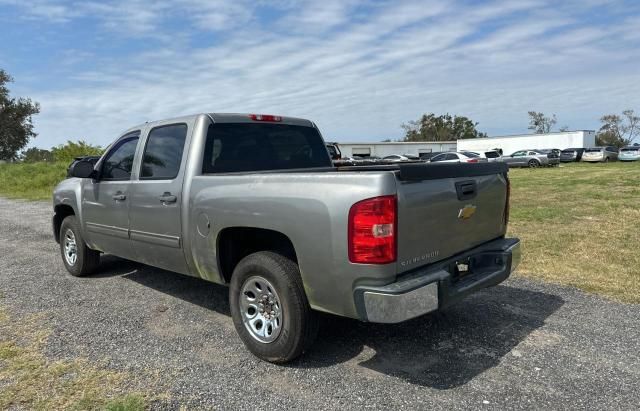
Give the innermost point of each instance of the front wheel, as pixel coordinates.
(269, 307)
(533, 164)
(77, 257)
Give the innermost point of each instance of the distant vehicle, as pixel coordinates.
(401, 157)
(427, 156)
(458, 157)
(334, 151)
(631, 153)
(555, 151)
(600, 154)
(492, 156)
(569, 155)
(531, 158)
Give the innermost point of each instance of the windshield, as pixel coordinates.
(236, 147)
(569, 150)
(593, 150)
(492, 154)
(631, 149)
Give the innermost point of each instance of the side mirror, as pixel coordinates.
(82, 169)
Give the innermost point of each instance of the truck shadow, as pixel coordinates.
(442, 350)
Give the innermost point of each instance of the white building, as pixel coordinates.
(383, 149)
(510, 144)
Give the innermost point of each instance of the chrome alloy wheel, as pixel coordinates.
(260, 309)
(70, 247)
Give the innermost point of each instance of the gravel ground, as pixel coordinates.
(522, 344)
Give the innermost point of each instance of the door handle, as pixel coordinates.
(168, 198)
(119, 197)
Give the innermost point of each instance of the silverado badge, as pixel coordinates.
(466, 212)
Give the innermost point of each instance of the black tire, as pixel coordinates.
(606, 159)
(87, 260)
(533, 164)
(299, 326)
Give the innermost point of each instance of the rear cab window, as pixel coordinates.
(244, 147)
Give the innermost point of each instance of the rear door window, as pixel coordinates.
(243, 147)
(163, 152)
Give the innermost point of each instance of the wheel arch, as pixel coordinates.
(235, 243)
(61, 211)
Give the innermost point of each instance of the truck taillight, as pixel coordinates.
(508, 201)
(372, 231)
(264, 117)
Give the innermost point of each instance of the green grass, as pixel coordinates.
(33, 181)
(579, 226)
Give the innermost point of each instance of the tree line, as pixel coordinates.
(616, 129)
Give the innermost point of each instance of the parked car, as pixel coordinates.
(427, 156)
(492, 156)
(600, 154)
(631, 153)
(401, 157)
(291, 234)
(569, 155)
(531, 158)
(458, 157)
(555, 151)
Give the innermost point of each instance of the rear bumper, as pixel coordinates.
(437, 285)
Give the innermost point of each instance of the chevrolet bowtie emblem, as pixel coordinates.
(466, 212)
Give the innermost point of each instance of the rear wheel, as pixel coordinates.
(78, 259)
(533, 164)
(606, 159)
(270, 309)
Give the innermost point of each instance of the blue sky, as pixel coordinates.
(357, 68)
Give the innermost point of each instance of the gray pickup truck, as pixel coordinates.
(253, 201)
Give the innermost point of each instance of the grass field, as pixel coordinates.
(33, 181)
(579, 223)
(579, 226)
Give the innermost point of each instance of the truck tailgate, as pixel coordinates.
(444, 209)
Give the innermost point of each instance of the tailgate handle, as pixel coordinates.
(466, 189)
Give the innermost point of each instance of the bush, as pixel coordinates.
(67, 152)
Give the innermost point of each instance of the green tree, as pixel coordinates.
(67, 152)
(539, 123)
(440, 128)
(34, 155)
(16, 126)
(618, 130)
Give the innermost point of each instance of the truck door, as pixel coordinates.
(156, 198)
(105, 200)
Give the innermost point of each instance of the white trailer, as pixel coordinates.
(511, 144)
(383, 149)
